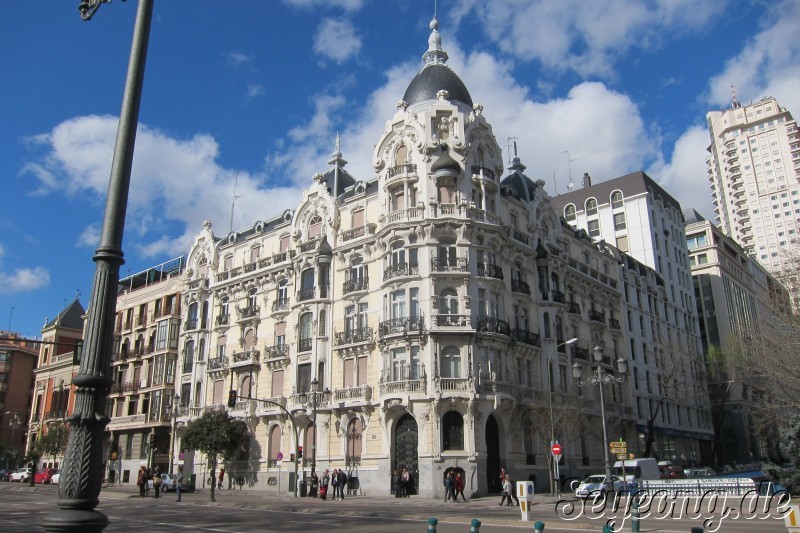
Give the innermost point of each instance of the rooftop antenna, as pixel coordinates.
(233, 201)
(571, 184)
(734, 101)
(555, 183)
(10, 314)
(512, 141)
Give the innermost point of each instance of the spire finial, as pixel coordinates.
(435, 54)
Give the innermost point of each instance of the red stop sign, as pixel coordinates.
(556, 449)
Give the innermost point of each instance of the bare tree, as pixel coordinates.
(667, 387)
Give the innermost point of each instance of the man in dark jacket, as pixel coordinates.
(342, 483)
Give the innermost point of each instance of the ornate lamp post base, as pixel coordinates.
(88, 521)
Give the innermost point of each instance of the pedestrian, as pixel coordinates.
(460, 486)
(141, 481)
(221, 478)
(506, 493)
(513, 489)
(178, 481)
(335, 483)
(342, 483)
(323, 488)
(157, 481)
(405, 479)
(314, 485)
(396, 483)
(448, 486)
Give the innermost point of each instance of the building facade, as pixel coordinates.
(429, 299)
(141, 401)
(754, 174)
(17, 361)
(645, 224)
(739, 304)
(54, 395)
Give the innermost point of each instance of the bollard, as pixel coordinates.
(698, 530)
(476, 526)
(635, 514)
(432, 524)
(538, 526)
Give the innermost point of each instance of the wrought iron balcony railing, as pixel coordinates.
(488, 324)
(490, 271)
(526, 337)
(458, 264)
(355, 284)
(400, 269)
(517, 285)
(354, 336)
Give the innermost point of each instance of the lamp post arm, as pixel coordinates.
(294, 426)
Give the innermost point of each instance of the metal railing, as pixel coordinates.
(442, 320)
(280, 305)
(400, 269)
(526, 337)
(355, 284)
(517, 285)
(489, 324)
(353, 336)
(276, 351)
(460, 264)
(306, 293)
(488, 270)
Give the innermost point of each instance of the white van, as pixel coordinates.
(636, 470)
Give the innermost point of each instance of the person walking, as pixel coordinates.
(460, 486)
(449, 487)
(179, 481)
(157, 481)
(221, 478)
(323, 488)
(141, 481)
(342, 483)
(506, 493)
(513, 489)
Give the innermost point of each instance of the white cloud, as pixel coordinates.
(90, 236)
(254, 90)
(347, 5)
(336, 40)
(176, 184)
(23, 280)
(768, 65)
(587, 37)
(237, 59)
(684, 177)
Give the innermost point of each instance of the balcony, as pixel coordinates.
(306, 293)
(558, 297)
(400, 270)
(597, 316)
(527, 337)
(276, 351)
(573, 308)
(304, 345)
(581, 353)
(443, 320)
(355, 285)
(488, 324)
(55, 414)
(519, 236)
(407, 169)
(279, 306)
(198, 284)
(490, 386)
(250, 311)
(359, 392)
(222, 320)
(613, 323)
(487, 270)
(249, 357)
(454, 384)
(517, 285)
(405, 380)
(353, 336)
(400, 325)
(479, 215)
(367, 229)
(483, 173)
(167, 310)
(189, 324)
(402, 215)
(217, 363)
(458, 264)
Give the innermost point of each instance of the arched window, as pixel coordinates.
(450, 362)
(591, 207)
(304, 332)
(249, 339)
(314, 227)
(255, 253)
(452, 431)
(616, 200)
(401, 155)
(245, 388)
(274, 443)
(448, 304)
(569, 212)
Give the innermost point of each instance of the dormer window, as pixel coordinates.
(569, 213)
(591, 207)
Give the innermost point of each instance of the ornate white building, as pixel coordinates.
(426, 298)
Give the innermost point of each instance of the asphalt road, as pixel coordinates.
(22, 509)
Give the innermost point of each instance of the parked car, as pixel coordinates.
(699, 472)
(22, 475)
(167, 483)
(56, 477)
(596, 484)
(44, 476)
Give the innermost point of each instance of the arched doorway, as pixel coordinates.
(406, 438)
(493, 462)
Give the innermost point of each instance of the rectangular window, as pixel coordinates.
(594, 228)
(161, 335)
(277, 383)
(303, 378)
(619, 221)
(349, 364)
(361, 374)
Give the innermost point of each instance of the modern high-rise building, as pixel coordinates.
(754, 173)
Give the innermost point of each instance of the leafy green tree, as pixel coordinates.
(54, 442)
(32, 458)
(216, 434)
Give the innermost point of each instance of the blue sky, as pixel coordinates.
(258, 89)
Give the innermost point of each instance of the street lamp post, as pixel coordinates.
(81, 481)
(315, 398)
(600, 377)
(175, 400)
(554, 488)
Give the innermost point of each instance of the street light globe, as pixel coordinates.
(577, 370)
(622, 365)
(598, 353)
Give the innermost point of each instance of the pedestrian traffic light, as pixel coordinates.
(299, 452)
(232, 399)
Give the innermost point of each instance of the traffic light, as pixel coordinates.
(232, 399)
(299, 452)
(152, 440)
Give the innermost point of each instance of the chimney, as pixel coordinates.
(587, 180)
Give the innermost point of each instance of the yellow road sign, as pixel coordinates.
(618, 444)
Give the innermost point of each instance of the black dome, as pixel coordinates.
(432, 79)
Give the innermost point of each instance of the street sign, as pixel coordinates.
(621, 456)
(619, 444)
(556, 449)
(279, 457)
